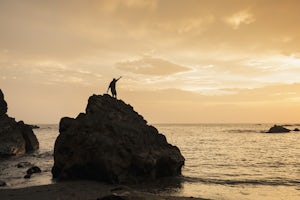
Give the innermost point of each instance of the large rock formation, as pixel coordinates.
(15, 137)
(111, 142)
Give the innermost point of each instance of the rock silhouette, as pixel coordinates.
(113, 143)
(2, 183)
(32, 170)
(3, 104)
(278, 129)
(15, 137)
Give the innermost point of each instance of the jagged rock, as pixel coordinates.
(15, 137)
(111, 142)
(278, 129)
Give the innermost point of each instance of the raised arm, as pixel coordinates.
(119, 78)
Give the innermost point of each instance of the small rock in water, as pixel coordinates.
(24, 164)
(33, 170)
(278, 129)
(2, 183)
(34, 126)
(27, 176)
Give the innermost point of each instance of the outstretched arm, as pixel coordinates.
(119, 78)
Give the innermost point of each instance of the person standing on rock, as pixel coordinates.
(112, 87)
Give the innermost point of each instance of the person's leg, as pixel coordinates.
(113, 92)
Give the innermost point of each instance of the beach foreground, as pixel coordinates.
(83, 190)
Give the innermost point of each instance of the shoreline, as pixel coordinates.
(81, 190)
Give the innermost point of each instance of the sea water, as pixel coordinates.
(223, 161)
(237, 161)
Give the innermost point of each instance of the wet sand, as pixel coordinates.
(80, 190)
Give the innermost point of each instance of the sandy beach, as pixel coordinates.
(80, 190)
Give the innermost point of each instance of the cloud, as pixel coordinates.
(151, 66)
(57, 29)
(190, 34)
(49, 73)
(239, 18)
(271, 93)
(140, 3)
(275, 103)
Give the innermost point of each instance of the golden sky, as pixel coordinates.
(183, 61)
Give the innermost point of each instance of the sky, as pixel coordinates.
(191, 61)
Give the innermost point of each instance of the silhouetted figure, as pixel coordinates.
(112, 87)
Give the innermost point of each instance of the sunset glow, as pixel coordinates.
(193, 61)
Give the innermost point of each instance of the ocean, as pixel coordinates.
(223, 161)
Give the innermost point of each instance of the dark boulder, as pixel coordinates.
(27, 176)
(33, 170)
(111, 142)
(16, 138)
(296, 130)
(2, 183)
(278, 129)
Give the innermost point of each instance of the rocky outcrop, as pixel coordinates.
(15, 137)
(111, 142)
(3, 104)
(278, 129)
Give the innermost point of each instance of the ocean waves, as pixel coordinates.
(264, 182)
